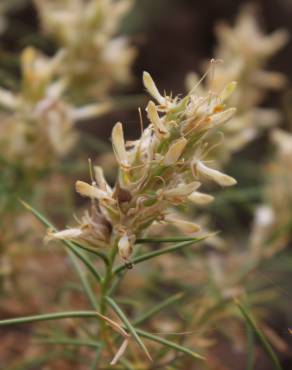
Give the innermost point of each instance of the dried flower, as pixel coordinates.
(156, 172)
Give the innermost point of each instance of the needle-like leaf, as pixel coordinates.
(265, 344)
(170, 344)
(91, 250)
(84, 281)
(48, 317)
(68, 244)
(166, 240)
(159, 307)
(147, 256)
(128, 325)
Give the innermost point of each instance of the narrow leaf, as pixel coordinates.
(128, 325)
(86, 262)
(170, 344)
(118, 328)
(90, 250)
(49, 316)
(147, 256)
(250, 347)
(159, 307)
(94, 365)
(266, 345)
(70, 245)
(166, 240)
(85, 283)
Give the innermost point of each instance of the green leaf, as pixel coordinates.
(159, 307)
(94, 365)
(68, 244)
(170, 344)
(166, 240)
(128, 325)
(147, 256)
(85, 283)
(127, 364)
(38, 215)
(86, 262)
(92, 250)
(265, 344)
(250, 348)
(48, 317)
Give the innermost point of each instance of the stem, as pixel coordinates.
(105, 286)
(250, 348)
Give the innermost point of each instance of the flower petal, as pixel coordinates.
(200, 198)
(91, 191)
(187, 227)
(174, 152)
(152, 89)
(119, 144)
(157, 123)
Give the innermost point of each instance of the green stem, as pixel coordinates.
(105, 286)
(250, 348)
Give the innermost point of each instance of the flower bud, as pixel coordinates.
(119, 144)
(200, 198)
(125, 247)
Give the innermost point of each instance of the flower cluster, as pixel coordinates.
(164, 168)
(241, 55)
(36, 122)
(36, 125)
(86, 30)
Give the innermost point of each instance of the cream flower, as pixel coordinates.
(160, 170)
(242, 52)
(96, 58)
(37, 124)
